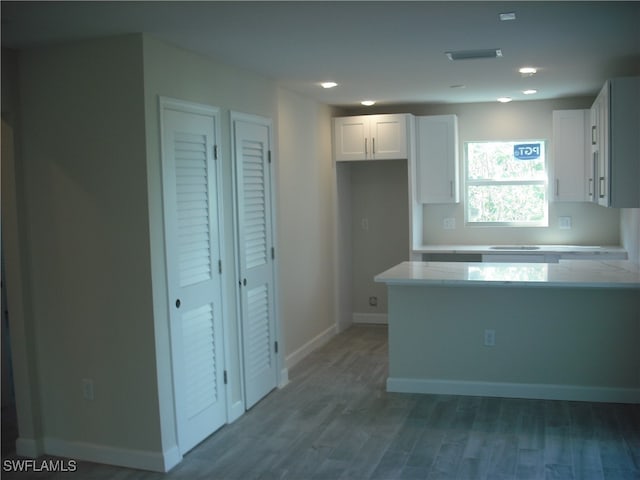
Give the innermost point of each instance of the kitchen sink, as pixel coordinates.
(515, 247)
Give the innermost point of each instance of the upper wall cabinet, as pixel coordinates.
(437, 159)
(573, 171)
(370, 137)
(615, 143)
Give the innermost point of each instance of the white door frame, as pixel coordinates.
(282, 373)
(191, 107)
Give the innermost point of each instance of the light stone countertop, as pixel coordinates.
(570, 251)
(566, 273)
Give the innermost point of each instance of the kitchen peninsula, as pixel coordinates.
(567, 330)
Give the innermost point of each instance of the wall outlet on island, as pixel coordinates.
(490, 338)
(449, 223)
(87, 389)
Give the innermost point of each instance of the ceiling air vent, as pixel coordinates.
(472, 54)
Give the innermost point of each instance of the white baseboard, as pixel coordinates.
(140, 459)
(284, 378)
(29, 447)
(172, 457)
(235, 411)
(371, 318)
(343, 325)
(310, 346)
(514, 390)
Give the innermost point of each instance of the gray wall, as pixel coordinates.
(379, 227)
(83, 177)
(306, 230)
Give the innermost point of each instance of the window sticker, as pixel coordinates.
(526, 151)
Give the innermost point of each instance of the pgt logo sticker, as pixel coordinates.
(526, 151)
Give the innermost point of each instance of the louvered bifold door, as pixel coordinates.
(193, 252)
(253, 187)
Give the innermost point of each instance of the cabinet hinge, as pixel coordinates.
(273, 253)
(275, 346)
(269, 156)
(215, 152)
(225, 377)
(220, 267)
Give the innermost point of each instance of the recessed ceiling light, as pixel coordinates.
(328, 84)
(507, 16)
(531, 91)
(368, 103)
(528, 71)
(505, 99)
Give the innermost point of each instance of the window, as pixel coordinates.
(506, 183)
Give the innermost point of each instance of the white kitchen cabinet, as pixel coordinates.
(615, 138)
(370, 137)
(437, 159)
(572, 179)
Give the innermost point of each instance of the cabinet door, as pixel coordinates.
(602, 140)
(350, 140)
(623, 142)
(591, 167)
(570, 180)
(437, 159)
(388, 137)
(370, 137)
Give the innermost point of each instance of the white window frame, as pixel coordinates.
(542, 182)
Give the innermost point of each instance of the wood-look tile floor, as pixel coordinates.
(335, 421)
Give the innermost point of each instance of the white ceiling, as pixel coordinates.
(389, 51)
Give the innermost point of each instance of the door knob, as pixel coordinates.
(178, 303)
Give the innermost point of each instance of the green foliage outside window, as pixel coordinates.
(502, 189)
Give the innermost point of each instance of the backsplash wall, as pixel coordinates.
(591, 225)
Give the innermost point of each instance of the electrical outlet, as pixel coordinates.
(449, 223)
(564, 223)
(489, 338)
(87, 389)
(373, 301)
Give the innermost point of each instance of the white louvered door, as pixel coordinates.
(193, 255)
(255, 243)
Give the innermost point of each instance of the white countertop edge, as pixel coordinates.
(502, 283)
(541, 248)
(617, 274)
